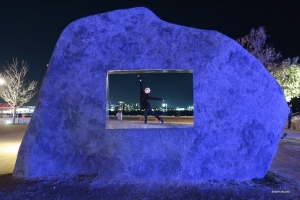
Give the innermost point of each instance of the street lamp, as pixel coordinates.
(2, 81)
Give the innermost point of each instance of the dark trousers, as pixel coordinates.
(290, 121)
(149, 110)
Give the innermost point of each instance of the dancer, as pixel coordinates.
(144, 96)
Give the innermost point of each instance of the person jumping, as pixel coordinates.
(144, 96)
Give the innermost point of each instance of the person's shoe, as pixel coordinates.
(145, 122)
(161, 120)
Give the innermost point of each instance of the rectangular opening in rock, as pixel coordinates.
(173, 106)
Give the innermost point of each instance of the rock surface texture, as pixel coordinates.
(239, 108)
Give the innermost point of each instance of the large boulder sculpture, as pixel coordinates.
(239, 108)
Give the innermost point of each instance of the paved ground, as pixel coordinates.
(11, 137)
(281, 182)
(115, 124)
(292, 133)
(10, 140)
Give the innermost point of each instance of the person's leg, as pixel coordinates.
(146, 114)
(155, 115)
(290, 122)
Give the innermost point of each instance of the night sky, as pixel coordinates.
(175, 88)
(30, 30)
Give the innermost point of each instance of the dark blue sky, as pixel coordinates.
(175, 88)
(29, 30)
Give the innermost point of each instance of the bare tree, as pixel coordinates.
(13, 89)
(255, 43)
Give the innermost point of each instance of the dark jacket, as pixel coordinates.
(144, 97)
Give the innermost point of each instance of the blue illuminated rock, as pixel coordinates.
(240, 109)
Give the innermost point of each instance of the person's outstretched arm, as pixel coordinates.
(154, 98)
(141, 84)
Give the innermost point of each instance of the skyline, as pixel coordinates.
(29, 31)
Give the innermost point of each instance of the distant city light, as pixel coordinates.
(164, 105)
(190, 108)
(128, 107)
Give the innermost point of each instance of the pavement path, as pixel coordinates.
(12, 135)
(10, 140)
(292, 133)
(114, 124)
